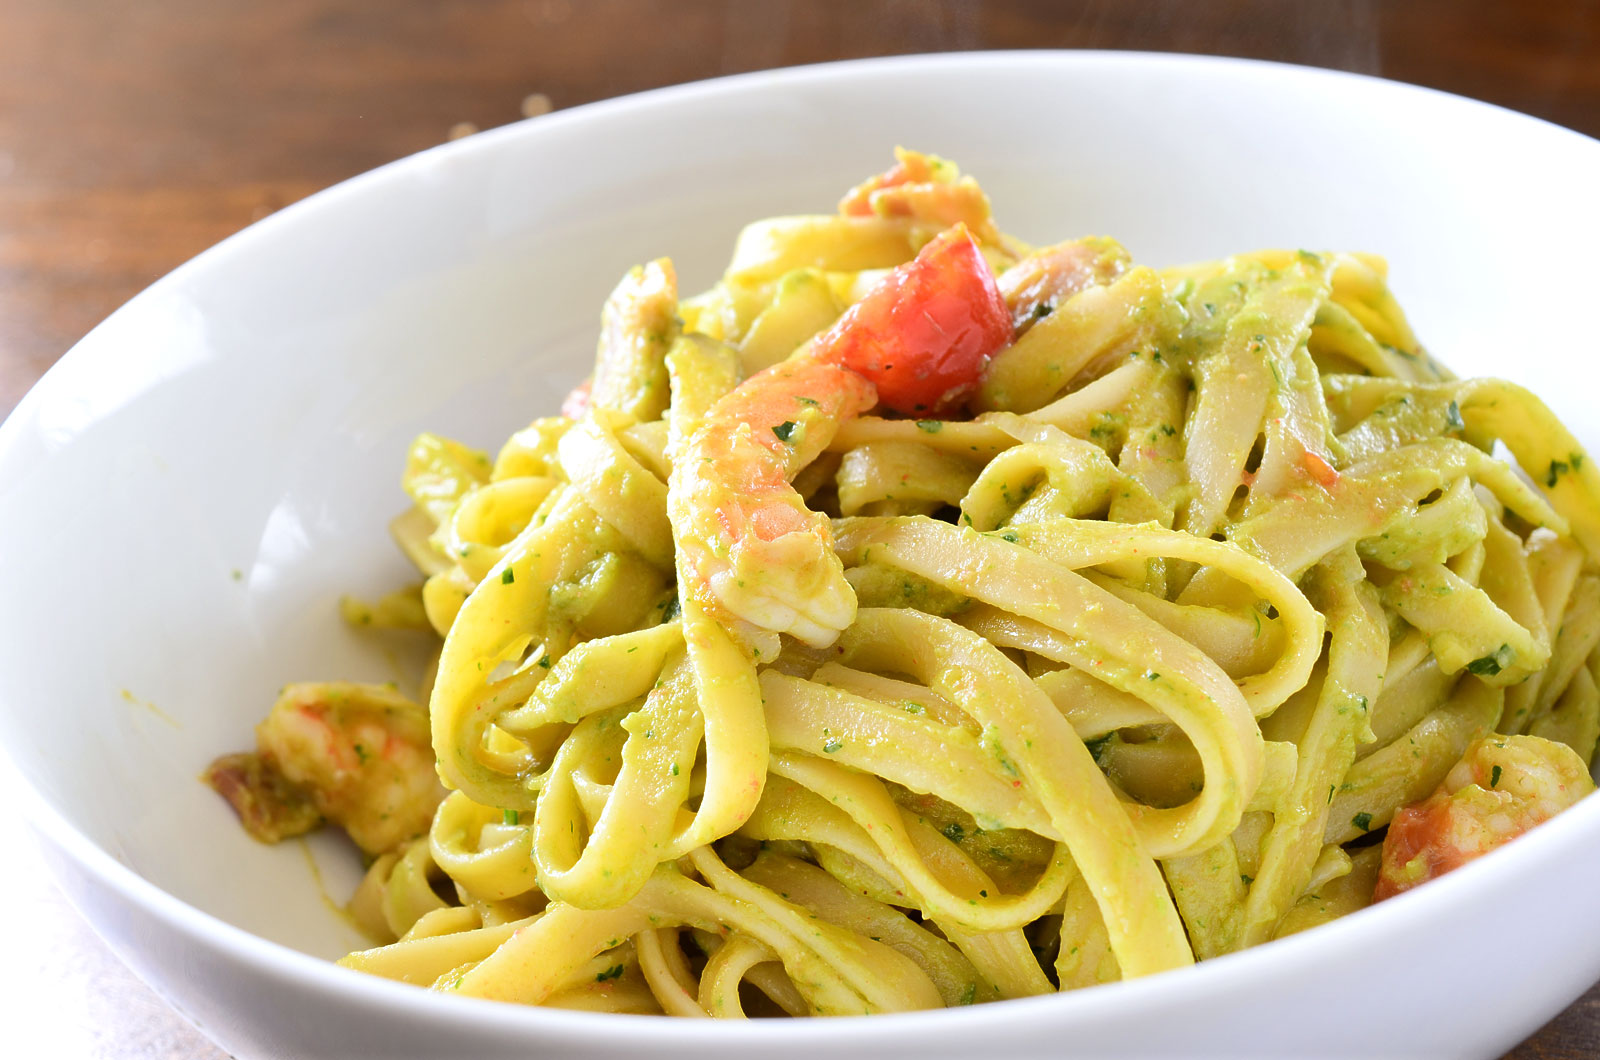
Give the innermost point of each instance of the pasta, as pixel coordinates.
(920, 618)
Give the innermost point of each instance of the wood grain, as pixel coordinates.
(133, 135)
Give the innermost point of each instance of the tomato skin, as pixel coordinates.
(923, 335)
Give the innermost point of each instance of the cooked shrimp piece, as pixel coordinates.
(1034, 286)
(756, 549)
(753, 553)
(910, 167)
(575, 406)
(359, 755)
(270, 807)
(926, 189)
(1502, 787)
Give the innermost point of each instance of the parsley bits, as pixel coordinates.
(1097, 746)
(785, 430)
(1489, 665)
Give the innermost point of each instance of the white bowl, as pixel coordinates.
(184, 497)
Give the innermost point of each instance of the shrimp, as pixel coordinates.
(751, 550)
(926, 189)
(270, 807)
(1040, 282)
(1502, 787)
(358, 755)
(575, 406)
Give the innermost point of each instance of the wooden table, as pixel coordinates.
(134, 135)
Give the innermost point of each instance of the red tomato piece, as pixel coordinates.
(923, 335)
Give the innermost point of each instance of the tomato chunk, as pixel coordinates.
(923, 335)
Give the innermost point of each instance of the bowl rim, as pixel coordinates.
(1221, 976)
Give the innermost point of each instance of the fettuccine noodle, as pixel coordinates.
(1117, 652)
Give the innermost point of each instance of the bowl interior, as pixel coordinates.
(186, 496)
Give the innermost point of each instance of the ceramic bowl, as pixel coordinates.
(185, 496)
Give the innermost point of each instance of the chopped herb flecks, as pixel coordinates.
(1489, 665)
(784, 430)
(1362, 821)
(610, 973)
(511, 816)
(930, 426)
(507, 576)
(1494, 777)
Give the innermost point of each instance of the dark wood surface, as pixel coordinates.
(135, 134)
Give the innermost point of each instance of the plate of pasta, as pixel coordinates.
(1000, 589)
